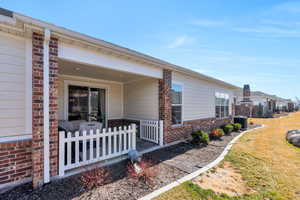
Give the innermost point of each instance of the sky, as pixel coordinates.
(254, 42)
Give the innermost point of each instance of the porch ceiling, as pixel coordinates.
(95, 72)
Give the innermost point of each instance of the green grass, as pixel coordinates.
(191, 191)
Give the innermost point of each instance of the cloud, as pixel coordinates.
(208, 23)
(290, 7)
(181, 41)
(270, 31)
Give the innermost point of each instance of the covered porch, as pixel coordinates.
(105, 113)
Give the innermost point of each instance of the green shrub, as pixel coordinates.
(216, 133)
(228, 128)
(237, 127)
(200, 137)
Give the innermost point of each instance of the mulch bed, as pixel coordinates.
(173, 162)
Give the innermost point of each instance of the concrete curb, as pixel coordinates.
(190, 176)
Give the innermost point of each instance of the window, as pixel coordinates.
(176, 95)
(222, 105)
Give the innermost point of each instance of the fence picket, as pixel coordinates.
(111, 143)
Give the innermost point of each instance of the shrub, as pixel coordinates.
(95, 177)
(251, 123)
(144, 171)
(200, 137)
(237, 126)
(216, 133)
(228, 128)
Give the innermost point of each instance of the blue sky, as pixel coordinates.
(255, 41)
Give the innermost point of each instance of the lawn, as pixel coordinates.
(267, 163)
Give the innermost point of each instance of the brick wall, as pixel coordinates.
(165, 109)
(37, 105)
(184, 131)
(53, 107)
(15, 161)
(37, 110)
(243, 110)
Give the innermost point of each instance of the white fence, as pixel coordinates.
(87, 147)
(152, 130)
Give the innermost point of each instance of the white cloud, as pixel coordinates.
(208, 23)
(291, 7)
(270, 31)
(181, 41)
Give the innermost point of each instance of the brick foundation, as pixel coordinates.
(15, 161)
(184, 131)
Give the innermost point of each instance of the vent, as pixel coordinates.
(6, 13)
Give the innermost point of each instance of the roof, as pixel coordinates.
(239, 92)
(119, 49)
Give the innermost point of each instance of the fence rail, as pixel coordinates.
(152, 130)
(87, 147)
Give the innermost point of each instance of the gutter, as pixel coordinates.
(46, 106)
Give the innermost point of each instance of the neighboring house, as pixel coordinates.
(53, 79)
(259, 104)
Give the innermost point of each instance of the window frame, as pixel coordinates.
(182, 103)
(224, 98)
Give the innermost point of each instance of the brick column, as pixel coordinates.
(53, 107)
(165, 107)
(37, 108)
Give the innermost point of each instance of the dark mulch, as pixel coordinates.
(174, 162)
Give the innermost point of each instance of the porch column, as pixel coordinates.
(165, 106)
(39, 152)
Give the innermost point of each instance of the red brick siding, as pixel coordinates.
(37, 110)
(184, 131)
(165, 109)
(15, 161)
(53, 109)
(37, 137)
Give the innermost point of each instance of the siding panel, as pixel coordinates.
(141, 99)
(198, 97)
(12, 86)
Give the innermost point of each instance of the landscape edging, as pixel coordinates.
(192, 175)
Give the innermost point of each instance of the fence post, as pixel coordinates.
(133, 126)
(161, 133)
(61, 150)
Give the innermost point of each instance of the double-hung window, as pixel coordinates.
(222, 105)
(176, 95)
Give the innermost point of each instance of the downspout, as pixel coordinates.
(46, 105)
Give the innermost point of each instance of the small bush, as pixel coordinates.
(216, 133)
(200, 137)
(251, 123)
(228, 128)
(237, 126)
(144, 171)
(95, 177)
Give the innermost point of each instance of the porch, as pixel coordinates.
(104, 114)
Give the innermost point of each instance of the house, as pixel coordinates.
(69, 100)
(259, 104)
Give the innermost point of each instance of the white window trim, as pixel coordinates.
(217, 95)
(182, 103)
(67, 83)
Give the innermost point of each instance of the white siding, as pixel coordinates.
(115, 96)
(141, 99)
(97, 58)
(199, 97)
(12, 86)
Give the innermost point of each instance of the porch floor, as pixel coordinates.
(142, 145)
